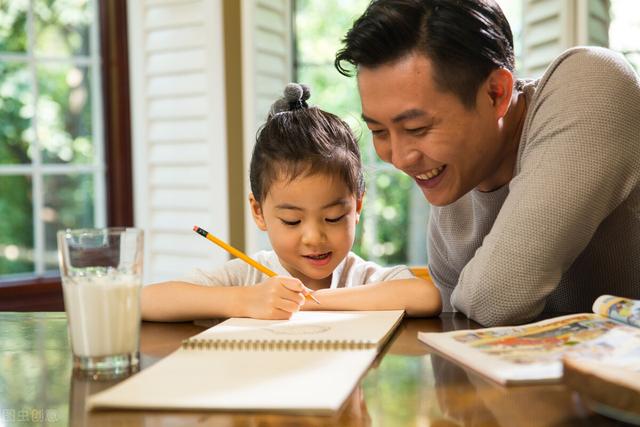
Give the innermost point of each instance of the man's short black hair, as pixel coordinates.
(464, 40)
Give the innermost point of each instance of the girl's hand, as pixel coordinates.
(276, 298)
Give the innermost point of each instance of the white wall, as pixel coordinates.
(179, 136)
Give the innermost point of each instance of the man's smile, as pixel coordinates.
(430, 173)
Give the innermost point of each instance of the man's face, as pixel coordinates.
(429, 134)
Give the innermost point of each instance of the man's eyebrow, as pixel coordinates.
(369, 120)
(405, 115)
(409, 114)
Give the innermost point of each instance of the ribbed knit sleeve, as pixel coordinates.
(578, 162)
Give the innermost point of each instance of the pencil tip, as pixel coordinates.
(314, 299)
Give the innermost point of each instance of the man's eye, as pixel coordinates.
(290, 222)
(377, 132)
(335, 219)
(417, 131)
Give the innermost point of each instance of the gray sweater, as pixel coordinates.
(566, 228)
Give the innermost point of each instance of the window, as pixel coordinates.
(624, 31)
(51, 162)
(53, 124)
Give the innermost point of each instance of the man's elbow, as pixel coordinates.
(511, 316)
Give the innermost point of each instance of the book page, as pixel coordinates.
(614, 355)
(528, 353)
(330, 326)
(623, 310)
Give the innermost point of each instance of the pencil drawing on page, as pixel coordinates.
(298, 329)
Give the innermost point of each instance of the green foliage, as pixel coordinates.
(68, 204)
(16, 211)
(64, 114)
(15, 113)
(62, 27)
(392, 390)
(13, 23)
(391, 209)
(64, 133)
(35, 371)
(16, 227)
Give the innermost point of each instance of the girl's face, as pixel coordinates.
(311, 222)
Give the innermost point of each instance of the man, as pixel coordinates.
(534, 184)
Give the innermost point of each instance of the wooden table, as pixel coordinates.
(407, 386)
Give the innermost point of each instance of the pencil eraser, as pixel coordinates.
(195, 228)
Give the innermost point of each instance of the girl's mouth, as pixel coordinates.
(319, 259)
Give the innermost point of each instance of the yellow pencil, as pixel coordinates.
(233, 251)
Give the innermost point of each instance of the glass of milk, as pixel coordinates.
(101, 273)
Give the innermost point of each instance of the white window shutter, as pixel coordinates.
(552, 26)
(595, 25)
(267, 53)
(179, 136)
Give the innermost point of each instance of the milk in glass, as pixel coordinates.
(104, 314)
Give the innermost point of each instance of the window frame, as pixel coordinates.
(44, 293)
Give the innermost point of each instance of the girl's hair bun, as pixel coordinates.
(306, 92)
(295, 97)
(293, 92)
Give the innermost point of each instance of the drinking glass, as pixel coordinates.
(101, 272)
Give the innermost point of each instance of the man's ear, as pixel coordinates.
(359, 201)
(256, 212)
(499, 88)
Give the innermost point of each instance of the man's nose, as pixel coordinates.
(403, 153)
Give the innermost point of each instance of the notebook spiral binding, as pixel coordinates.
(269, 345)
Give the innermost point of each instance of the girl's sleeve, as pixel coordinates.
(385, 274)
(232, 273)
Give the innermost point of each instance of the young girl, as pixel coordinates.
(307, 188)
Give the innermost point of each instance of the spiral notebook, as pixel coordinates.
(308, 364)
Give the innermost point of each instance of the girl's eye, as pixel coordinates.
(335, 219)
(291, 223)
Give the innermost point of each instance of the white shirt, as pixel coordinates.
(352, 271)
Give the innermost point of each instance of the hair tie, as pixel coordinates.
(295, 98)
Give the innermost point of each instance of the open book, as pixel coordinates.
(533, 353)
(309, 364)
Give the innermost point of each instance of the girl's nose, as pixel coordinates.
(313, 235)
